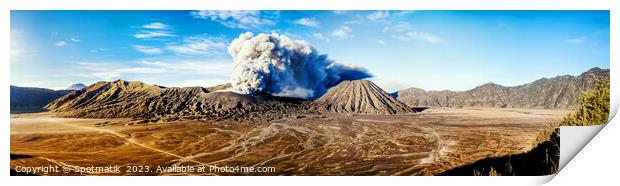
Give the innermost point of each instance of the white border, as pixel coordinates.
(314, 5)
(577, 172)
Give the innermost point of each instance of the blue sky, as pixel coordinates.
(432, 50)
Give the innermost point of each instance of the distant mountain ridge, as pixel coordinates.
(560, 92)
(31, 99)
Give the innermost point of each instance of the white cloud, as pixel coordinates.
(342, 32)
(244, 19)
(400, 26)
(576, 41)
(202, 82)
(307, 22)
(401, 37)
(154, 30)
(404, 31)
(193, 67)
(352, 22)
(18, 46)
(165, 70)
(378, 15)
(423, 36)
(341, 11)
(98, 50)
(381, 41)
(15, 54)
(151, 34)
(75, 40)
(60, 43)
(390, 86)
(320, 36)
(198, 45)
(382, 15)
(404, 12)
(147, 49)
(111, 71)
(155, 25)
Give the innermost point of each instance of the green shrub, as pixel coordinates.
(593, 108)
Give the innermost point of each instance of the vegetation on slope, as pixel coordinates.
(593, 108)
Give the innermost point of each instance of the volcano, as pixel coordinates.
(134, 99)
(360, 96)
(125, 99)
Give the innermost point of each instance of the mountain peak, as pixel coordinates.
(76, 86)
(360, 96)
(596, 71)
(123, 85)
(490, 84)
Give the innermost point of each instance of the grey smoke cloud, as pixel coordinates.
(278, 65)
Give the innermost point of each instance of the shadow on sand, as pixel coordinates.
(542, 160)
(20, 156)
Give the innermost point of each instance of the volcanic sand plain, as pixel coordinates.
(426, 143)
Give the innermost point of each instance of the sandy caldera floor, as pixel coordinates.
(424, 143)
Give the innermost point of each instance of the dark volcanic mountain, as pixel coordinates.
(30, 99)
(120, 98)
(561, 92)
(139, 100)
(360, 96)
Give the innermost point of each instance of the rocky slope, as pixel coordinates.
(29, 99)
(360, 96)
(139, 100)
(220, 87)
(560, 92)
(120, 99)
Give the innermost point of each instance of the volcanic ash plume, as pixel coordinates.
(278, 65)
